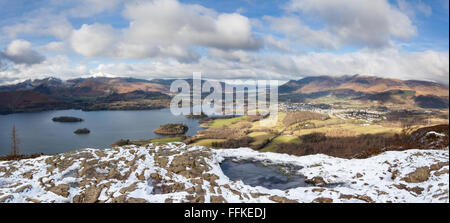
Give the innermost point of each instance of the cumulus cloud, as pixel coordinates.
(20, 52)
(40, 22)
(53, 19)
(374, 23)
(278, 44)
(94, 40)
(166, 28)
(57, 66)
(294, 29)
(169, 21)
(390, 63)
(59, 47)
(221, 45)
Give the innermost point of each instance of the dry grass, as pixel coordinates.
(366, 145)
(234, 143)
(301, 116)
(350, 129)
(207, 142)
(19, 157)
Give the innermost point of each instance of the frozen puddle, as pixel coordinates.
(270, 176)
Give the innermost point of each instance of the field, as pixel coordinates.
(271, 147)
(207, 142)
(223, 122)
(291, 126)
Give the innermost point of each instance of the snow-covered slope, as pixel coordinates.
(179, 173)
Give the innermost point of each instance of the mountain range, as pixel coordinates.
(103, 93)
(421, 94)
(365, 84)
(99, 93)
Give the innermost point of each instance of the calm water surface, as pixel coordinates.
(39, 134)
(254, 173)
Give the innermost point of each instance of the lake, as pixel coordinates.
(39, 134)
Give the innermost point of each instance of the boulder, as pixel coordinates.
(279, 199)
(316, 181)
(323, 200)
(61, 190)
(421, 174)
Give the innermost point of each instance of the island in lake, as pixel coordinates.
(67, 119)
(171, 129)
(82, 131)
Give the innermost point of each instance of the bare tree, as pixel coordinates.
(15, 151)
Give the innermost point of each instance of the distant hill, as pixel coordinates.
(97, 93)
(89, 86)
(94, 93)
(421, 94)
(360, 83)
(104, 93)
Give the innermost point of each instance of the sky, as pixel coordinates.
(232, 39)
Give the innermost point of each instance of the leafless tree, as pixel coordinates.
(15, 151)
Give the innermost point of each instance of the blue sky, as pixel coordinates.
(259, 39)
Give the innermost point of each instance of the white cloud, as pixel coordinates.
(58, 66)
(389, 63)
(278, 44)
(53, 18)
(166, 28)
(223, 45)
(373, 23)
(40, 22)
(293, 28)
(94, 40)
(20, 52)
(59, 47)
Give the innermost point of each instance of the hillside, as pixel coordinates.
(369, 90)
(97, 86)
(178, 173)
(103, 93)
(83, 93)
(360, 83)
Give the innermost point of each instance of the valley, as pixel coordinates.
(329, 144)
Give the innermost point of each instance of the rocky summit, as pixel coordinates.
(176, 172)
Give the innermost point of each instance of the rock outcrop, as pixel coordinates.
(177, 173)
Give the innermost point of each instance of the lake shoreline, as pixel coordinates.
(39, 134)
(79, 109)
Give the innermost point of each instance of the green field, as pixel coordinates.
(228, 121)
(280, 139)
(260, 137)
(268, 138)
